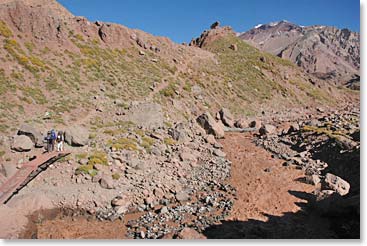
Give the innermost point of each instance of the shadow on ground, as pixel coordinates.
(332, 218)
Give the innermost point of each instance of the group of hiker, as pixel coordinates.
(55, 139)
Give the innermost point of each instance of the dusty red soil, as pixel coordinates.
(269, 204)
(259, 191)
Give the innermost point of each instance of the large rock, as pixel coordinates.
(147, 115)
(31, 132)
(22, 143)
(255, 124)
(337, 184)
(207, 122)
(107, 182)
(179, 133)
(226, 117)
(241, 123)
(267, 129)
(77, 136)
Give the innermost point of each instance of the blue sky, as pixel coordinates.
(182, 20)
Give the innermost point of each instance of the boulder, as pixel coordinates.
(179, 133)
(241, 123)
(267, 129)
(106, 182)
(226, 117)
(182, 196)
(313, 179)
(146, 115)
(207, 122)
(215, 25)
(255, 124)
(233, 47)
(22, 143)
(210, 140)
(337, 184)
(294, 127)
(219, 153)
(77, 136)
(190, 234)
(31, 132)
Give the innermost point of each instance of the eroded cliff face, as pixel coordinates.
(327, 52)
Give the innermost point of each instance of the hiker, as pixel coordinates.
(60, 141)
(48, 139)
(53, 138)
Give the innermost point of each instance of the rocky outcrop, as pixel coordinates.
(145, 114)
(207, 122)
(226, 117)
(211, 35)
(77, 136)
(337, 184)
(22, 143)
(30, 131)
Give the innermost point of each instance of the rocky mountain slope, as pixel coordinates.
(140, 113)
(327, 52)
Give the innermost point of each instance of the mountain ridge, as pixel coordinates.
(326, 52)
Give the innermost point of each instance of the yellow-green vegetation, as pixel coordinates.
(81, 156)
(5, 84)
(187, 86)
(147, 143)
(31, 63)
(35, 93)
(86, 169)
(170, 90)
(325, 130)
(123, 143)
(30, 46)
(116, 176)
(2, 153)
(169, 141)
(98, 157)
(79, 37)
(312, 91)
(5, 30)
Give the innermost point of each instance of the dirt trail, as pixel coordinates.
(269, 197)
(262, 183)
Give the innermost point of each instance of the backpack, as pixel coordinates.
(53, 134)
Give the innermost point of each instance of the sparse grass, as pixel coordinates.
(2, 153)
(123, 143)
(86, 169)
(30, 46)
(98, 157)
(147, 143)
(5, 30)
(5, 84)
(81, 156)
(35, 93)
(324, 130)
(169, 91)
(116, 176)
(169, 141)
